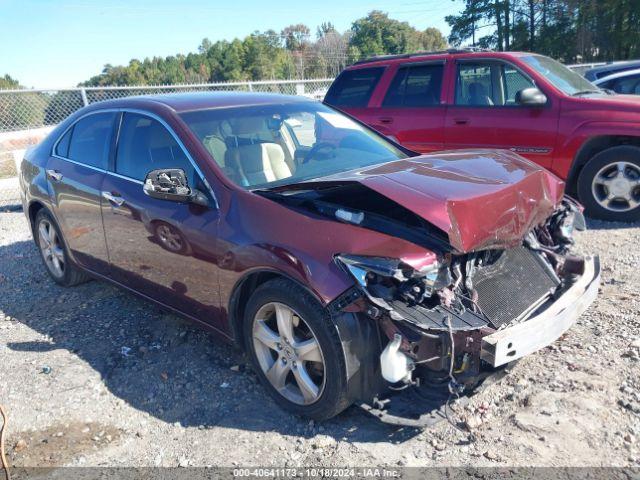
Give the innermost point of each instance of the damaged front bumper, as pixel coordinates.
(541, 330)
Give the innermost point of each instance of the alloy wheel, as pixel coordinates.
(51, 248)
(288, 353)
(170, 238)
(616, 186)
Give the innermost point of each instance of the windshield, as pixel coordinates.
(273, 145)
(560, 76)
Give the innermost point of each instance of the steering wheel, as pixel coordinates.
(316, 149)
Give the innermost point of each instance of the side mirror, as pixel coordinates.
(171, 184)
(531, 97)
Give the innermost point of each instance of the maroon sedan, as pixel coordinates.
(344, 264)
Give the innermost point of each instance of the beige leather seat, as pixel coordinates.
(253, 161)
(259, 163)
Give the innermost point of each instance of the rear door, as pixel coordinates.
(413, 110)
(160, 248)
(352, 90)
(75, 172)
(484, 112)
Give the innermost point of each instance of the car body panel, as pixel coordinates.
(447, 188)
(140, 256)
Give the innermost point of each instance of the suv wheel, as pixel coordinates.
(609, 184)
(54, 253)
(295, 350)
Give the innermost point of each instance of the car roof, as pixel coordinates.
(614, 76)
(382, 60)
(592, 73)
(190, 101)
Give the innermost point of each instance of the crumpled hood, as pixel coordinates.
(481, 198)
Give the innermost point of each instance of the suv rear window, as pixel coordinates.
(415, 86)
(353, 88)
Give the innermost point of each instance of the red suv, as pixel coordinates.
(526, 103)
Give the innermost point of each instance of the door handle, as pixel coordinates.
(54, 175)
(116, 199)
(386, 120)
(461, 121)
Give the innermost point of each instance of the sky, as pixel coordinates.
(47, 43)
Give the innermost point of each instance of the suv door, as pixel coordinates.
(160, 248)
(412, 110)
(75, 172)
(484, 112)
(352, 90)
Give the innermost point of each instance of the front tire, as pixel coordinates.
(54, 252)
(295, 350)
(609, 184)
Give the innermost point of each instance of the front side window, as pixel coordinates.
(353, 88)
(489, 84)
(144, 144)
(514, 81)
(415, 86)
(267, 146)
(90, 140)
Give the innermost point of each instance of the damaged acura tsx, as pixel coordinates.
(347, 266)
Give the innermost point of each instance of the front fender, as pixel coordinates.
(564, 162)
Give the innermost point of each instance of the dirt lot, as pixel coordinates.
(93, 376)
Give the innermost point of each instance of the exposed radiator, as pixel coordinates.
(510, 286)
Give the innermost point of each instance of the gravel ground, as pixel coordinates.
(94, 376)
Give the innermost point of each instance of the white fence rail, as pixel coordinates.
(26, 116)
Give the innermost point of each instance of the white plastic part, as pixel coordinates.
(396, 366)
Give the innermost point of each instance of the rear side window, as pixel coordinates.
(145, 144)
(415, 86)
(353, 88)
(91, 139)
(62, 149)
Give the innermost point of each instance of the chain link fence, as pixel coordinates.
(27, 116)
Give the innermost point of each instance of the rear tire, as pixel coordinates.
(54, 252)
(609, 184)
(269, 349)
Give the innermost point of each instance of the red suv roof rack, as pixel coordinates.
(378, 58)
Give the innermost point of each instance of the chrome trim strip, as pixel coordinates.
(97, 169)
(123, 177)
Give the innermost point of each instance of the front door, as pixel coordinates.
(485, 112)
(160, 248)
(75, 172)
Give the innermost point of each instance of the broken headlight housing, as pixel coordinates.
(386, 279)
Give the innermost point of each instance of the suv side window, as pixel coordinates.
(90, 140)
(353, 88)
(144, 144)
(513, 81)
(415, 86)
(489, 84)
(474, 85)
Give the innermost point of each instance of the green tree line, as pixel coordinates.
(568, 30)
(291, 53)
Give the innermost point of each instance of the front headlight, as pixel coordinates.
(379, 275)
